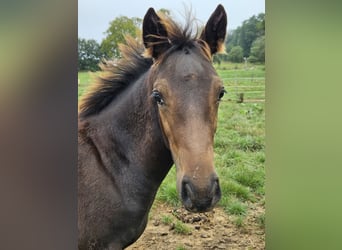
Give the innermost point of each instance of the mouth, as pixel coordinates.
(194, 204)
(198, 208)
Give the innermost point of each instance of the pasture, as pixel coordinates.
(239, 159)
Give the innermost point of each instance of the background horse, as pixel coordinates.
(145, 114)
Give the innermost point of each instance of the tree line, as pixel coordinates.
(247, 41)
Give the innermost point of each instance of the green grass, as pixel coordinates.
(168, 191)
(239, 221)
(166, 220)
(84, 79)
(239, 142)
(181, 228)
(181, 247)
(231, 188)
(248, 176)
(236, 207)
(178, 226)
(237, 79)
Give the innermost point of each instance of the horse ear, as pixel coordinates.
(154, 34)
(214, 31)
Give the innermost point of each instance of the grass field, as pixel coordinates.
(239, 141)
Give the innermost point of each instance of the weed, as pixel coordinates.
(236, 208)
(239, 221)
(166, 220)
(181, 228)
(180, 247)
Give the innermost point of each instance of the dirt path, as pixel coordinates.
(211, 230)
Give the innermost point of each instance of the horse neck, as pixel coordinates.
(130, 127)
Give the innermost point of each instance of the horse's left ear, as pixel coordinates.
(154, 34)
(214, 31)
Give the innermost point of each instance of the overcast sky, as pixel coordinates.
(94, 16)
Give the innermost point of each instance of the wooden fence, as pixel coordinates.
(245, 89)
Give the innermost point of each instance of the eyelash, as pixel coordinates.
(157, 97)
(221, 94)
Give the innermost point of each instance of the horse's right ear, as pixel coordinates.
(154, 34)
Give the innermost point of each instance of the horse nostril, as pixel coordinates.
(186, 191)
(187, 194)
(216, 192)
(197, 198)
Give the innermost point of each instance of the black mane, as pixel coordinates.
(115, 78)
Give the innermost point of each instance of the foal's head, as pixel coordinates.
(186, 91)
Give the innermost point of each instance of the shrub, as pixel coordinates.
(236, 54)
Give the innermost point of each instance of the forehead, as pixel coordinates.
(187, 65)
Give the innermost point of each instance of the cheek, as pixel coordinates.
(213, 117)
(165, 123)
(172, 132)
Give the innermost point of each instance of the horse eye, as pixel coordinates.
(157, 97)
(221, 94)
